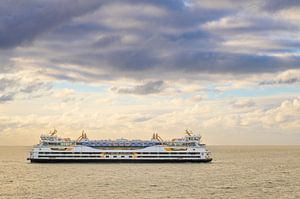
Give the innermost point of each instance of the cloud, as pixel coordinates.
(148, 39)
(282, 116)
(5, 83)
(151, 87)
(287, 81)
(22, 21)
(142, 119)
(14, 86)
(243, 103)
(286, 77)
(275, 5)
(7, 97)
(168, 40)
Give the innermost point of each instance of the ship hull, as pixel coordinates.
(121, 160)
(62, 151)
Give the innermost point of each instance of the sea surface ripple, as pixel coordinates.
(236, 172)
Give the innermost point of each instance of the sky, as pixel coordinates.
(227, 69)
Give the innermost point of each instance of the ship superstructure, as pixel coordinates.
(56, 149)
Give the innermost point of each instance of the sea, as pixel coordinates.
(235, 172)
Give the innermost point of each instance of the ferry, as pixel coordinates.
(53, 149)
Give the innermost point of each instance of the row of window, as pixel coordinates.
(45, 156)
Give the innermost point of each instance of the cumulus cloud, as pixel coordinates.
(282, 116)
(286, 77)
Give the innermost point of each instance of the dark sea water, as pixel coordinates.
(236, 172)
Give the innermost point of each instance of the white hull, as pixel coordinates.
(148, 154)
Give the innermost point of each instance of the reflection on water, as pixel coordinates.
(236, 172)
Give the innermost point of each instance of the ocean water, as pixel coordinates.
(236, 172)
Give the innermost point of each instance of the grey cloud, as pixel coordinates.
(7, 97)
(22, 21)
(217, 62)
(5, 83)
(16, 87)
(150, 63)
(106, 40)
(132, 60)
(142, 119)
(33, 87)
(145, 89)
(275, 5)
(6, 64)
(280, 81)
(252, 25)
(169, 46)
